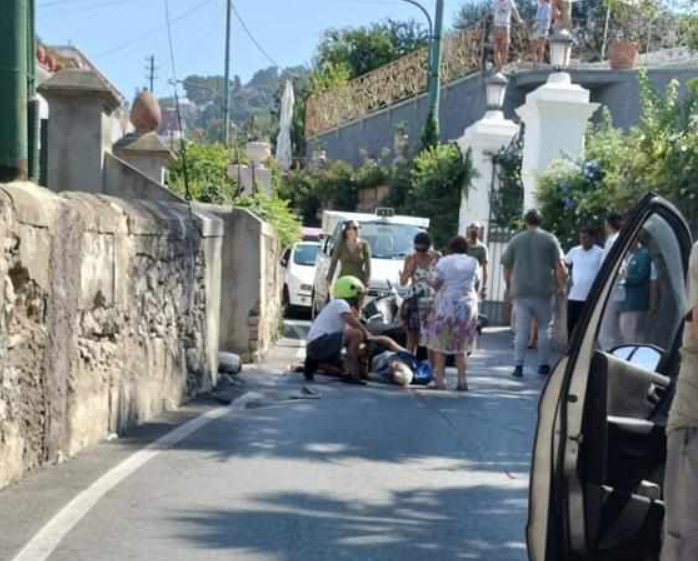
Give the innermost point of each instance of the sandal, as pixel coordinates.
(462, 388)
(434, 386)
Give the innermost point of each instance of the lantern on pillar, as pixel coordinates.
(495, 90)
(561, 49)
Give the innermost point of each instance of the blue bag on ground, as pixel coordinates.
(423, 374)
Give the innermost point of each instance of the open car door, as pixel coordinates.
(599, 454)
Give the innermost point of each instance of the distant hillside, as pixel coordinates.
(253, 105)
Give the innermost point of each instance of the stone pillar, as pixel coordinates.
(555, 118)
(143, 149)
(256, 177)
(485, 138)
(79, 129)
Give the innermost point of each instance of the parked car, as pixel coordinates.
(298, 264)
(597, 474)
(390, 237)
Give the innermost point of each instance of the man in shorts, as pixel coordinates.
(502, 12)
(544, 18)
(681, 476)
(337, 327)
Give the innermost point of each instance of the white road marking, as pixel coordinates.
(43, 544)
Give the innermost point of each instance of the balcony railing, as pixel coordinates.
(466, 52)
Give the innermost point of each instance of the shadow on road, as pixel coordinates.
(419, 524)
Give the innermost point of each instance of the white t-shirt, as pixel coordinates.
(502, 12)
(610, 241)
(330, 320)
(585, 266)
(459, 273)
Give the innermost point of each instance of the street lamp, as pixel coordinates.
(495, 91)
(561, 49)
(435, 30)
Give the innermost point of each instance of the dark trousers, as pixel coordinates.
(574, 313)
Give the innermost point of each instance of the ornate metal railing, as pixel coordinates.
(465, 52)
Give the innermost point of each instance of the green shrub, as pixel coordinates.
(207, 171)
(277, 212)
(439, 177)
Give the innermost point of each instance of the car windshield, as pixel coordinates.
(389, 241)
(305, 255)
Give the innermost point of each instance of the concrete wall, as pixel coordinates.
(463, 103)
(105, 318)
(123, 180)
(250, 312)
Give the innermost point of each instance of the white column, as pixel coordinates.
(555, 118)
(485, 138)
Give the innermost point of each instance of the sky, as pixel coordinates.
(119, 35)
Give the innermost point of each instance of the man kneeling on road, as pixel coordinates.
(336, 327)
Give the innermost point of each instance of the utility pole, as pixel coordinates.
(226, 85)
(150, 69)
(435, 66)
(14, 29)
(33, 112)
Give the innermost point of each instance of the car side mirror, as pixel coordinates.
(646, 357)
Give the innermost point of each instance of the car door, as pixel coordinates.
(596, 475)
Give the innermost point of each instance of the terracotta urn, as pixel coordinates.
(623, 55)
(146, 114)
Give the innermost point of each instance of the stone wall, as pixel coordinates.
(105, 318)
(251, 279)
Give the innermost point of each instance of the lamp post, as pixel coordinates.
(435, 32)
(560, 54)
(495, 91)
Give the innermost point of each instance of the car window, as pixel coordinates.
(647, 301)
(305, 255)
(389, 241)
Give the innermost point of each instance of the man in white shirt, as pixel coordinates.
(336, 327)
(584, 262)
(502, 11)
(614, 222)
(609, 334)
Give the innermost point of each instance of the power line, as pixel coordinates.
(148, 34)
(252, 38)
(182, 143)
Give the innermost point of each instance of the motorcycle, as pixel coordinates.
(381, 316)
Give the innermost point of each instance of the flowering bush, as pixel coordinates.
(571, 196)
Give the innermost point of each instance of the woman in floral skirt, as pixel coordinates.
(452, 323)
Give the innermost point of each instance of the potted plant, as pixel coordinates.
(628, 17)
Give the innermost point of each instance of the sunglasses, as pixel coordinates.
(356, 228)
(421, 248)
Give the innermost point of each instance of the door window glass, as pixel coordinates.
(647, 301)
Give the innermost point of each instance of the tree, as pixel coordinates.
(471, 13)
(365, 48)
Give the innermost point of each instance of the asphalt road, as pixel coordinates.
(373, 473)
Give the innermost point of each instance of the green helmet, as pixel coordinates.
(347, 288)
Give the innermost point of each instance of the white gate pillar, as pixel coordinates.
(485, 137)
(555, 118)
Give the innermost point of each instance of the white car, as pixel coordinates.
(391, 239)
(298, 266)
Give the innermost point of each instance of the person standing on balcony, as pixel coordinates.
(544, 18)
(502, 11)
(352, 254)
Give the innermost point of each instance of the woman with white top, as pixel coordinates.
(452, 323)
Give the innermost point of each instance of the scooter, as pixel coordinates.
(381, 316)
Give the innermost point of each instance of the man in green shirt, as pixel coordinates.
(681, 475)
(535, 271)
(478, 250)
